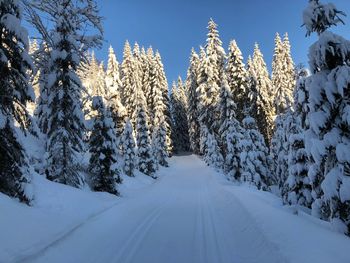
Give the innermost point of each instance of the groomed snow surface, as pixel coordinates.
(190, 214)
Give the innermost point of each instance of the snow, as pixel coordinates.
(191, 214)
(57, 211)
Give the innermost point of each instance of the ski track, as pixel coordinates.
(187, 216)
(60, 238)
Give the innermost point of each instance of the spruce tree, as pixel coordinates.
(253, 158)
(205, 107)
(163, 88)
(41, 110)
(113, 88)
(138, 60)
(182, 95)
(297, 188)
(34, 75)
(14, 94)
(328, 136)
(128, 149)
(237, 79)
(215, 56)
(130, 83)
(66, 123)
(283, 75)
(90, 76)
(175, 106)
(193, 103)
(213, 155)
(281, 147)
(147, 66)
(148, 78)
(259, 93)
(159, 136)
(103, 164)
(101, 87)
(179, 116)
(230, 131)
(146, 162)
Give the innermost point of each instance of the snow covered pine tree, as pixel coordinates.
(253, 158)
(103, 164)
(14, 94)
(328, 138)
(128, 149)
(68, 44)
(192, 101)
(146, 162)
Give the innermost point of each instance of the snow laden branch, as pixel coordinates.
(44, 13)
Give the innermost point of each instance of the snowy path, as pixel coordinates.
(191, 215)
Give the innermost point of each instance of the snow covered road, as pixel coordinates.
(193, 215)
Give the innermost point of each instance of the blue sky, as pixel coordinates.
(174, 27)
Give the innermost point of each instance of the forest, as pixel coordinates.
(94, 123)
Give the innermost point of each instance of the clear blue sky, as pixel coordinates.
(175, 26)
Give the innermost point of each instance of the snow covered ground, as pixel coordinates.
(191, 214)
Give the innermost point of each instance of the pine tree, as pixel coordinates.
(179, 116)
(128, 149)
(328, 136)
(193, 103)
(159, 137)
(230, 131)
(259, 94)
(278, 151)
(204, 104)
(41, 110)
(237, 79)
(148, 78)
(163, 88)
(280, 148)
(185, 138)
(130, 83)
(210, 69)
(175, 106)
(215, 56)
(213, 156)
(34, 74)
(283, 75)
(146, 163)
(147, 66)
(297, 188)
(113, 87)
(14, 94)
(66, 123)
(253, 158)
(103, 164)
(101, 87)
(138, 60)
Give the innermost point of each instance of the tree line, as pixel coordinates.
(287, 133)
